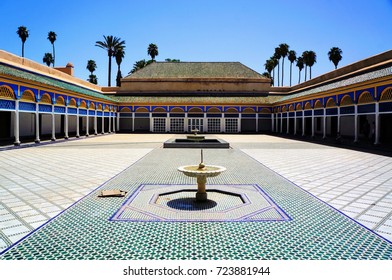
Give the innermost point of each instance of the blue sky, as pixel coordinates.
(205, 30)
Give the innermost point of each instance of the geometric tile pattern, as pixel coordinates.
(315, 231)
(176, 203)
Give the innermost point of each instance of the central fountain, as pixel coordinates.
(201, 172)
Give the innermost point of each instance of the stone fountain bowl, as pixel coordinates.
(207, 171)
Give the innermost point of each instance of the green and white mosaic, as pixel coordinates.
(315, 231)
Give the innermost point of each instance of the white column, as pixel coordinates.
(356, 123)
(16, 125)
(95, 122)
(186, 123)
(109, 121)
(77, 123)
(272, 122)
(87, 123)
(205, 123)
(37, 140)
(303, 123)
(66, 124)
(53, 125)
(239, 122)
(312, 122)
(151, 122)
(133, 121)
(223, 124)
(377, 125)
(295, 123)
(325, 124)
(257, 122)
(167, 122)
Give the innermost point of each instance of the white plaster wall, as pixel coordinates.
(71, 123)
(347, 126)
(46, 124)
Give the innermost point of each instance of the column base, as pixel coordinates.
(53, 139)
(95, 133)
(37, 141)
(87, 135)
(77, 136)
(17, 143)
(66, 137)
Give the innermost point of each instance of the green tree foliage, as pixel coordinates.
(152, 51)
(335, 55)
(52, 38)
(48, 59)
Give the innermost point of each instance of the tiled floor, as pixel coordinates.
(357, 183)
(38, 183)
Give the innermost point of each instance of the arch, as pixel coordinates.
(365, 97)
(298, 107)
(125, 110)
(83, 105)
(330, 103)
(291, 108)
(278, 110)
(318, 105)
(92, 106)
(346, 101)
(195, 110)
(159, 110)
(45, 98)
(248, 111)
(265, 111)
(386, 95)
(106, 108)
(308, 106)
(99, 107)
(177, 110)
(6, 93)
(141, 110)
(72, 102)
(60, 101)
(284, 109)
(28, 96)
(231, 110)
(214, 110)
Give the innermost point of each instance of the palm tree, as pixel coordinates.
(300, 65)
(305, 58)
(119, 55)
(48, 59)
(152, 51)
(292, 56)
(23, 35)
(93, 79)
(91, 66)
(138, 65)
(172, 60)
(52, 38)
(311, 60)
(274, 63)
(269, 66)
(110, 44)
(277, 55)
(284, 49)
(335, 55)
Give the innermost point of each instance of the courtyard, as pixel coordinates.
(322, 202)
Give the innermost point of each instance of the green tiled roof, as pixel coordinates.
(48, 81)
(196, 70)
(235, 100)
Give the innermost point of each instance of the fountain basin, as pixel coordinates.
(201, 172)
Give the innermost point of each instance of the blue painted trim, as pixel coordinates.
(7, 104)
(27, 106)
(45, 108)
